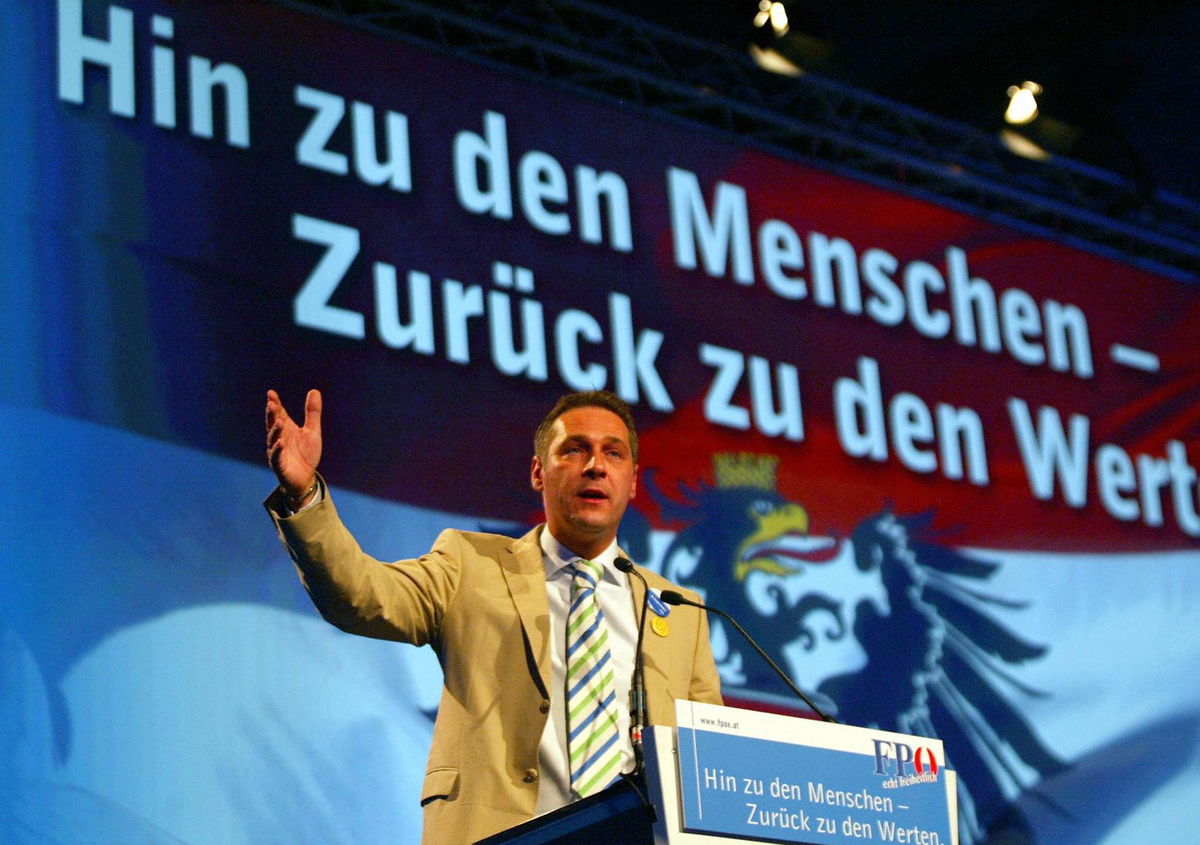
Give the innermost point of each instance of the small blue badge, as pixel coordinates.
(657, 604)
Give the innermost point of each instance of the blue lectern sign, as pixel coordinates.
(769, 777)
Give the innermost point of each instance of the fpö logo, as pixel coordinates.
(903, 764)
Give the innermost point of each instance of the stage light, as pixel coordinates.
(773, 13)
(1022, 103)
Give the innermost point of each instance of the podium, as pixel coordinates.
(727, 775)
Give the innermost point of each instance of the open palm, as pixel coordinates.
(293, 451)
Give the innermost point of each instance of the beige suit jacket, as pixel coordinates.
(480, 601)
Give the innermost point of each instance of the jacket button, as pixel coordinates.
(544, 707)
(531, 775)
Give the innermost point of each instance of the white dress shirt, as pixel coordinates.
(613, 592)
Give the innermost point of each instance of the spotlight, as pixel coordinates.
(773, 13)
(1022, 103)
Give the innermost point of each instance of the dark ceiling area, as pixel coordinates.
(1121, 86)
(911, 94)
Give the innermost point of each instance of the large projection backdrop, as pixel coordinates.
(943, 467)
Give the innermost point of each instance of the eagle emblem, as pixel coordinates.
(885, 628)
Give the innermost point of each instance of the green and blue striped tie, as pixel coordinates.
(592, 734)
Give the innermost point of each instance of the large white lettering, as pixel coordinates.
(483, 181)
(116, 55)
(1130, 487)
(394, 168)
(523, 340)
(719, 239)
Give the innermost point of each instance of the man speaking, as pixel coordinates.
(536, 636)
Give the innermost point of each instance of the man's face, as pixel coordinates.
(586, 478)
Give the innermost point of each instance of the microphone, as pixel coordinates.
(676, 598)
(638, 691)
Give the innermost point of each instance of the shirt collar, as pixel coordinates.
(556, 556)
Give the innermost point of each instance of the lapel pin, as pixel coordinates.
(656, 604)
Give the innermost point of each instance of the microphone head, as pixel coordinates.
(624, 564)
(673, 597)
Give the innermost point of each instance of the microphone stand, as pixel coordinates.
(638, 691)
(676, 598)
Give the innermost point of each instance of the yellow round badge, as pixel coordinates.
(660, 626)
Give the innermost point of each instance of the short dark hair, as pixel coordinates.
(605, 399)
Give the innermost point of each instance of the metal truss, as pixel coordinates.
(593, 48)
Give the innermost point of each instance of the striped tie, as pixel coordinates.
(592, 733)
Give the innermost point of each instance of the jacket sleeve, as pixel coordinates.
(403, 600)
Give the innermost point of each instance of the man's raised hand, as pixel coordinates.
(293, 451)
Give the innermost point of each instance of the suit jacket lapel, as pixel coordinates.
(525, 575)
